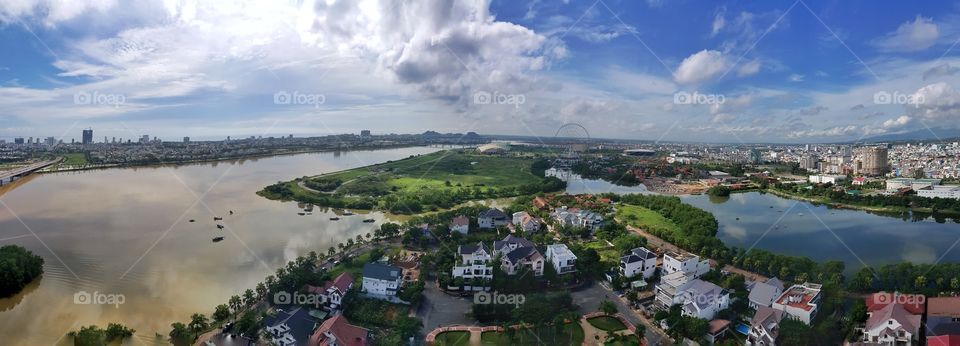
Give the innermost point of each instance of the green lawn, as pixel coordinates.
(607, 323)
(572, 335)
(455, 338)
(644, 218)
(608, 254)
(74, 159)
(631, 341)
(420, 183)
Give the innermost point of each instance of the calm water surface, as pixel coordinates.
(127, 231)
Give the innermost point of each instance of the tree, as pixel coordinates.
(20, 267)
(248, 297)
(235, 303)
(408, 326)
(608, 307)
(198, 323)
(221, 313)
(179, 334)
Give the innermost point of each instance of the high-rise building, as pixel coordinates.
(87, 137)
(873, 161)
(364, 133)
(145, 139)
(51, 141)
(809, 162)
(186, 139)
(18, 140)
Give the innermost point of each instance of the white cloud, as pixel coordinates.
(749, 68)
(899, 122)
(718, 22)
(919, 34)
(795, 77)
(938, 101)
(701, 66)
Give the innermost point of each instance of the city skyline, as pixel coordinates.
(760, 72)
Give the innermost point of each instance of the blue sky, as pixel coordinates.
(762, 71)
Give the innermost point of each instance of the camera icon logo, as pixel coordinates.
(482, 97)
(682, 98)
(282, 298)
(82, 98)
(282, 98)
(882, 98)
(82, 298)
(482, 298)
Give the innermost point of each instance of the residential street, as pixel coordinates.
(589, 299)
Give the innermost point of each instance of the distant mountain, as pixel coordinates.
(916, 135)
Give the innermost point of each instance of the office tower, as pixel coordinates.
(186, 139)
(87, 137)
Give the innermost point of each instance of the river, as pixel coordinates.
(799, 228)
(125, 234)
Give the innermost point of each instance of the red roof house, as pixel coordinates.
(339, 331)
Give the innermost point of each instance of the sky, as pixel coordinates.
(759, 71)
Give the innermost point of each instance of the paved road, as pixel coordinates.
(439, 309)
(589, 298)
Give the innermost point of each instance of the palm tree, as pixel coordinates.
(248, 297)
(331, 251)
(261, 290)
(235, 303)
(198, 323)
(369, 236)
(359, 239)
(340, 246)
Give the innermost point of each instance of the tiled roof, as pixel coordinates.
(880, 300)
(493, 213)
(381, 271)
(943, 307)
(346, 333)
(460, 220)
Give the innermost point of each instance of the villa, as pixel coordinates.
(460, 224)
(639, 261)
(890, 321)
(381, 279)
(526, 222)
(492, 218)
(762, 294)
(516, 253)
(563, 260)
(577, 218)
(332, 292)
(800, 302)
(689, 264)
(474, 262)
(764, 327)
(337, 331)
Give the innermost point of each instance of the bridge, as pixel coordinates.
(11, 175)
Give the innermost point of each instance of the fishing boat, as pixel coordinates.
(334, 218)
(231, 212)
(301, 214)
(220, 226)
(369, 220)
(216, 239)
(217, 218)
(192, 220)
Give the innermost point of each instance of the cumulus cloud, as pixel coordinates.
(701, 66)
(919, 34)
(899, 122)
(938, 101)
(795, 78)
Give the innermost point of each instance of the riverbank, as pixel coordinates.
(216, 160)
(838, 205)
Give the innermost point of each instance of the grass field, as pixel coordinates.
(74, 159)
(644, 218)
(607, 323)
(608, 254)
(418, 183)
(458, 338)
(572, 334)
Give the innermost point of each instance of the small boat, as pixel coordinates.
(738, 219)
(192, 220)
(347, 213)
(771, 207)
(801, 214)
(217, 218)
(216, 239)
(301, 214)
(220, 226)
(309, 213)
(231, 212)
(334, 218)
(369, 220)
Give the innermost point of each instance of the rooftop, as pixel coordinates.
(381, 271)
(800, 296)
